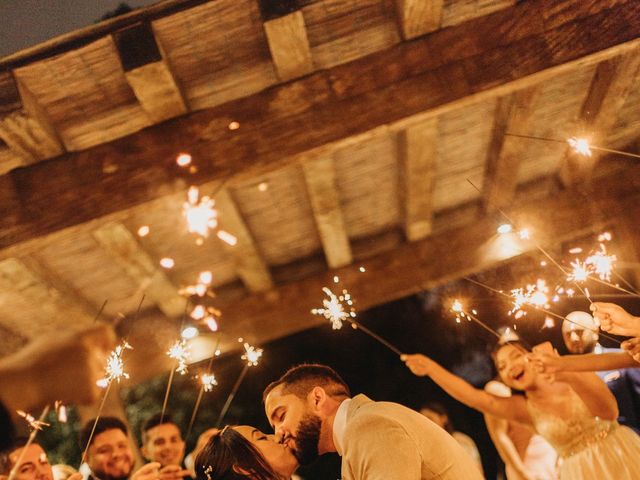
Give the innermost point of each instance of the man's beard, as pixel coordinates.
(307, 438)
(106, 476)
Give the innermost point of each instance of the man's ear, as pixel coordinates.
(317, 398)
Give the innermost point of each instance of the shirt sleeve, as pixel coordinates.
(381, 449)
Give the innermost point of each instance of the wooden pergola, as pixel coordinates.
(333, 135)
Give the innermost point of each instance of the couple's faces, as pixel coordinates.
(295, 425)
(110, 456)
(34, 464)
(278, 455)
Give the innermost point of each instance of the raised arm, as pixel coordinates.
(590, 362)
(615, 319)
(593, 392)
(512, 408)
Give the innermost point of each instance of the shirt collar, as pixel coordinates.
(340, 425)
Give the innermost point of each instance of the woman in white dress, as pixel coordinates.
(576, 413)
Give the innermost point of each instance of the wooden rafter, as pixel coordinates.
(417, 152)
(320, 178)
(513, 114)
(121, 244)
(612, 82)
(440, 258)
(250, 265)
(289, 46)
(321, 110)
(148, 73)
(24, 125)
(417, 17)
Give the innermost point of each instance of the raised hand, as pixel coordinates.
(632, 347)
(419, 364)
(615, 319)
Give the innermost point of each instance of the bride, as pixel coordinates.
(575, 412)
(243, 453)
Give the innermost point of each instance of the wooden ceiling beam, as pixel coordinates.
(417, 17)
(610, 86)
(57, 304)
(425, 264)
(486, 57)
(320, 178)
(148, 73)
(127, 252)
(24, 125)
(289, 46)
(417, 154)
(250, 265)
(504, 156)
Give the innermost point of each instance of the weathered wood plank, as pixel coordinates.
(116, 239)
(289, 46)
(417, 17)
(417, 152)
(320, 178)
(489, 56)
(148, 73)
(513, 115)
(251, 267)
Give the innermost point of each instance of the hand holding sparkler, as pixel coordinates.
(419, 364)
(632, 347)
(615, 319)
(63, 368)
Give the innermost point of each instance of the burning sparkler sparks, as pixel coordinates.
(180, 352)
(114, 370)
(580, 146)
(208, 381)
(532, 294)
(34, 424)
(579, 272)
(251, 355)
(462, 314)
(601, 263)
(183, 160)
(200, 213)
(334, 308)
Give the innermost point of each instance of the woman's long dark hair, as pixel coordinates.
(228, 449)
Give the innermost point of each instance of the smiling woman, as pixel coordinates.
(244, 452)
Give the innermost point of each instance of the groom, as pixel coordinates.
(310, 409)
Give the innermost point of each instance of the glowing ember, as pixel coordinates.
(198, 312)
(334, 308)
(200, 213)
(61, 411)
(579, 273)
(183, 160)
(505, 228)
(251, 355)
(208, 381)
(114, 370)
(189, 333)
(181, 353)
(263, 186)
(211, 323)
(549, 323)
(227, 237)
(580, 145)
(524, 234)
(602, 263)
(234, 126)
(205, 277)
(31, 420)
(143, 231)
(532, 294)
(167, 263)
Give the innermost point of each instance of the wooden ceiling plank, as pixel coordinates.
(127, 252)
(438, 259)
(389, 89)
(320, 178)
(513, 115)
(611, 84)
(58, 304)
(417, 17)
(148, 73)
(24, 125)
(251, 267)
(417, 152)
(289, 46)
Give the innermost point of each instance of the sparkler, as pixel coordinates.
(32, 437)
(31, 420)
(462, 314)
(251, 357)
(207, 382)
(579, 145)
(532, 294)
(200, 213)
(181, 353)
(339, 309)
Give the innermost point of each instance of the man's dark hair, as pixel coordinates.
(153, 421)
(103, 424)
(5, 462)
(440, 409)
(301, 379)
